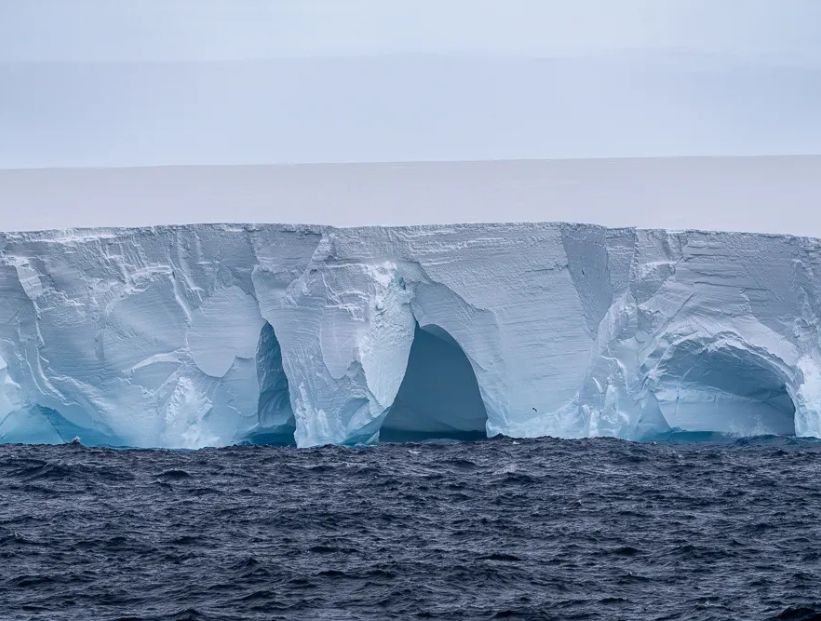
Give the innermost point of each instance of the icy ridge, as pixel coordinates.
(198, 335)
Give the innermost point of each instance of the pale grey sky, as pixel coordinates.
(178, 82)
(165, 30)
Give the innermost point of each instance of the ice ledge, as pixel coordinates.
(211, 334)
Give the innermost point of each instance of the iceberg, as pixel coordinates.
(210, 335)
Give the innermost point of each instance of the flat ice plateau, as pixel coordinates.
(190, 336)
(767, 194)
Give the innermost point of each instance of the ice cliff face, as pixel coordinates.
(214, 334)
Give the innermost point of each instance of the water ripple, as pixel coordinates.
(502, 529)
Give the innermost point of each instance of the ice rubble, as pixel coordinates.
(188, 336)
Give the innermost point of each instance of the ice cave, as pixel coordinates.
(439, 397)
(724, 389)
(212, 335)
(276, 418)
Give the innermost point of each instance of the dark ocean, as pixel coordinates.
(497, 529)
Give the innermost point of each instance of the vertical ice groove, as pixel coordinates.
(152, 335)
(587, 262)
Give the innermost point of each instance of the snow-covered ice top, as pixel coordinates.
(189, 336)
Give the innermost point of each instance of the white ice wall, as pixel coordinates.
(149, 337)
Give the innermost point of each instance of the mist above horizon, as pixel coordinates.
(755, 194)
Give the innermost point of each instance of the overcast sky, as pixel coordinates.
(114, 30)
(115, 83)
(153, 82)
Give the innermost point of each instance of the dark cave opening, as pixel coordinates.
(725, 389)
(276, 423)
(439, 397)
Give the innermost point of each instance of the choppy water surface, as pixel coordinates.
(541, 529)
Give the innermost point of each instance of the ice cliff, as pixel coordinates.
(201, 335)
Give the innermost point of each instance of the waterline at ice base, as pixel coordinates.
(212, 335)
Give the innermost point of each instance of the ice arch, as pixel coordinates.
(724, 388)
(439, 396)
(276, 422)
(42, 425)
